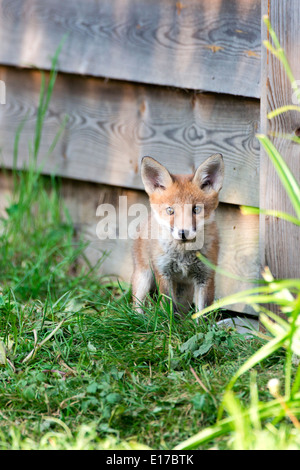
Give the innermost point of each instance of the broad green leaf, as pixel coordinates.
(204, 348)
(191, 343)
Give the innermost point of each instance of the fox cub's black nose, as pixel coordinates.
(183, 234)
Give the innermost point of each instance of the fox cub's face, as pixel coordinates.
(181, 203)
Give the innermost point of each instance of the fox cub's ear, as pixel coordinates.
(210, 174)
(154, 175)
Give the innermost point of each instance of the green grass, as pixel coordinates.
(79, 369)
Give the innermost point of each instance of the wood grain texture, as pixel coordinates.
(211, 45)
(112, 125)
(280, 240)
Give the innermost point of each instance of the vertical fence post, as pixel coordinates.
(279, 240)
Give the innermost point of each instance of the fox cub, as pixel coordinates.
(180, 225)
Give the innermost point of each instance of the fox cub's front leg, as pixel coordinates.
(142, 284)
(204, 294)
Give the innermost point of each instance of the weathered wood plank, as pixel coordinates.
(280, 240)
(198, 44)
(113, 125)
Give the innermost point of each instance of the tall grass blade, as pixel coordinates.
(287, 178)
(248, 210)
(283, 109)
(39, 119)
(264, 352)
(45, 97)
(224, 427)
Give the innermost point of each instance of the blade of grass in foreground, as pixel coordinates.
(257, 295)
(287, 178)
(44, 100)
(262, 353)
(249, 210)
(225, 426)
(223, 272)
(283, 109)
(279, 52)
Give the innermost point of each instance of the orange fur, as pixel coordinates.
(170, 262)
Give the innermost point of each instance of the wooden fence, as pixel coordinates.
(177, 80)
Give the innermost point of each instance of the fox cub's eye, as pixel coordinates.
(170, 210)
(197, 209)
